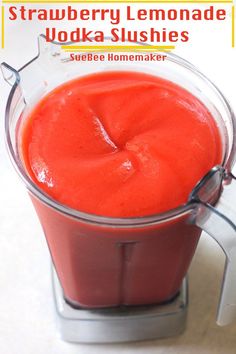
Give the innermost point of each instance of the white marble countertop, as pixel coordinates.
(27, 323)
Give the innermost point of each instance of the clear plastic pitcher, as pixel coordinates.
(104, 261)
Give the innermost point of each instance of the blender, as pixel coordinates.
(104, 291)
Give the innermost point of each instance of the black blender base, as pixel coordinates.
(125, 324)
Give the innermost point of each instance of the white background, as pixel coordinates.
(27, 323)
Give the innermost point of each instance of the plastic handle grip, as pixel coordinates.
(220, 223)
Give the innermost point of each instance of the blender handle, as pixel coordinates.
(220, 223)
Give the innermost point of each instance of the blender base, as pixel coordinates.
(121, 324)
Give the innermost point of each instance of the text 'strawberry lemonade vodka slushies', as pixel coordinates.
(119, 144)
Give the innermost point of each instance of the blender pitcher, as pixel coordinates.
(105, 262)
